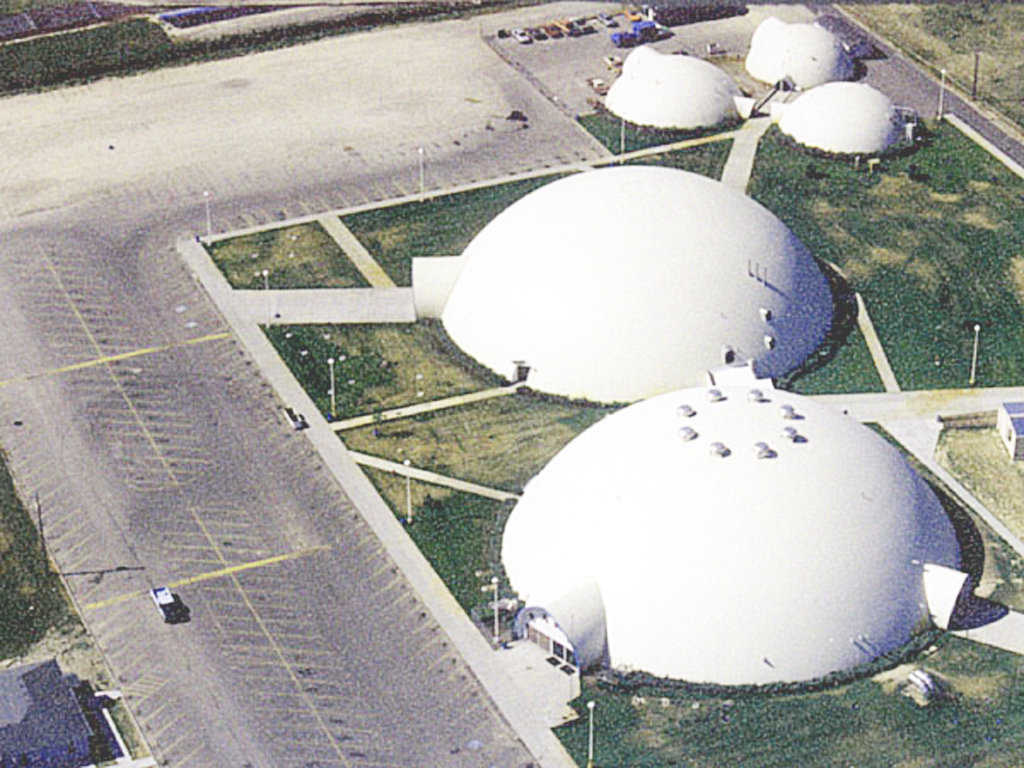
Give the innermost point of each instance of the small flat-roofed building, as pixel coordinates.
(1010, 425)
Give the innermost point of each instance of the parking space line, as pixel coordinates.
(178, 740)
(217, 574)
(113, 358)
(154, 735)
(181, 761)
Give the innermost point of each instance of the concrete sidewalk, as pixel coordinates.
(867, 329)
(426, 476)
(326, 305)
(433, 405)
(485, 662)
(920, 404)
(740, 163)
(356, 252)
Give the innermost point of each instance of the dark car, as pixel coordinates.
(170, 606)
(536, 33)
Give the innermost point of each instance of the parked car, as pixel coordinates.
(537, 33)
(633, 14)
(586, 28)
(607, 20)
(553, 31)
(502, 33)
(520, 36)
(574, 29)
(613, 62)
(169, 605)
(600, 86)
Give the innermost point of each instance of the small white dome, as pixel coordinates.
(668, 91)
(848, 118)
(737, 555)
(805, 54)
(622, 283)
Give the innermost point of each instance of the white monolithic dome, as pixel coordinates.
(804, 54)
(747, 539)
(846, 118)
(668, 91)
(622, 283)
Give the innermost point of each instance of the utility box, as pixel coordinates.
(1010, 425)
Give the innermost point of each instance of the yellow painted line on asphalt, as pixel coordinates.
(115, 358)
(217, 574)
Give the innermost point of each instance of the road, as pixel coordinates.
(310, 649)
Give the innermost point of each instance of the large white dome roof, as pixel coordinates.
(730, 569)
(847, 118)
(805, 54)
(668, 91)
(622, 283)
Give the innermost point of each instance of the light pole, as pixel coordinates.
(942, 93)
(494, 586)
(974, 81)
(209, 221)
(266, 290)
(974, 354)
(590, 736)
(422, 188)
(622, 137)
(330, 364)
(408, 494)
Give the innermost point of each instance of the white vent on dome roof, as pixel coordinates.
(715, 395)
(763, 451)
(769, 341)
(687, 433)
(719, 449)
(685, 411)
(756, 396)
(766, 314)
(788, 411)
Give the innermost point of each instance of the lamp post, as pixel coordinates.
(422, 187)
(408, 494)
(209, 221)
(266, 290)
(494, 586)
(942, 93)
(330, 364)
(974, 81)
(974, 354)
(590, 736)
(622, 137)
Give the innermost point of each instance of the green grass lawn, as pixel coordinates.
(607, 128)
(705, 159)
(457, 532)
(501, 443)
(32, 598)
(946, 35)
(440, 226)
(932, 242)
(303, 256)
(865, 724)
(378, 366)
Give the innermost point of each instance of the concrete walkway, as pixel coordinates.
(326, 305)
(740, 163)
(921, 404)
(486, 664)
(433, 405)
(356, 252)
(426, 476)
(1006, 633)
(867, 329)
